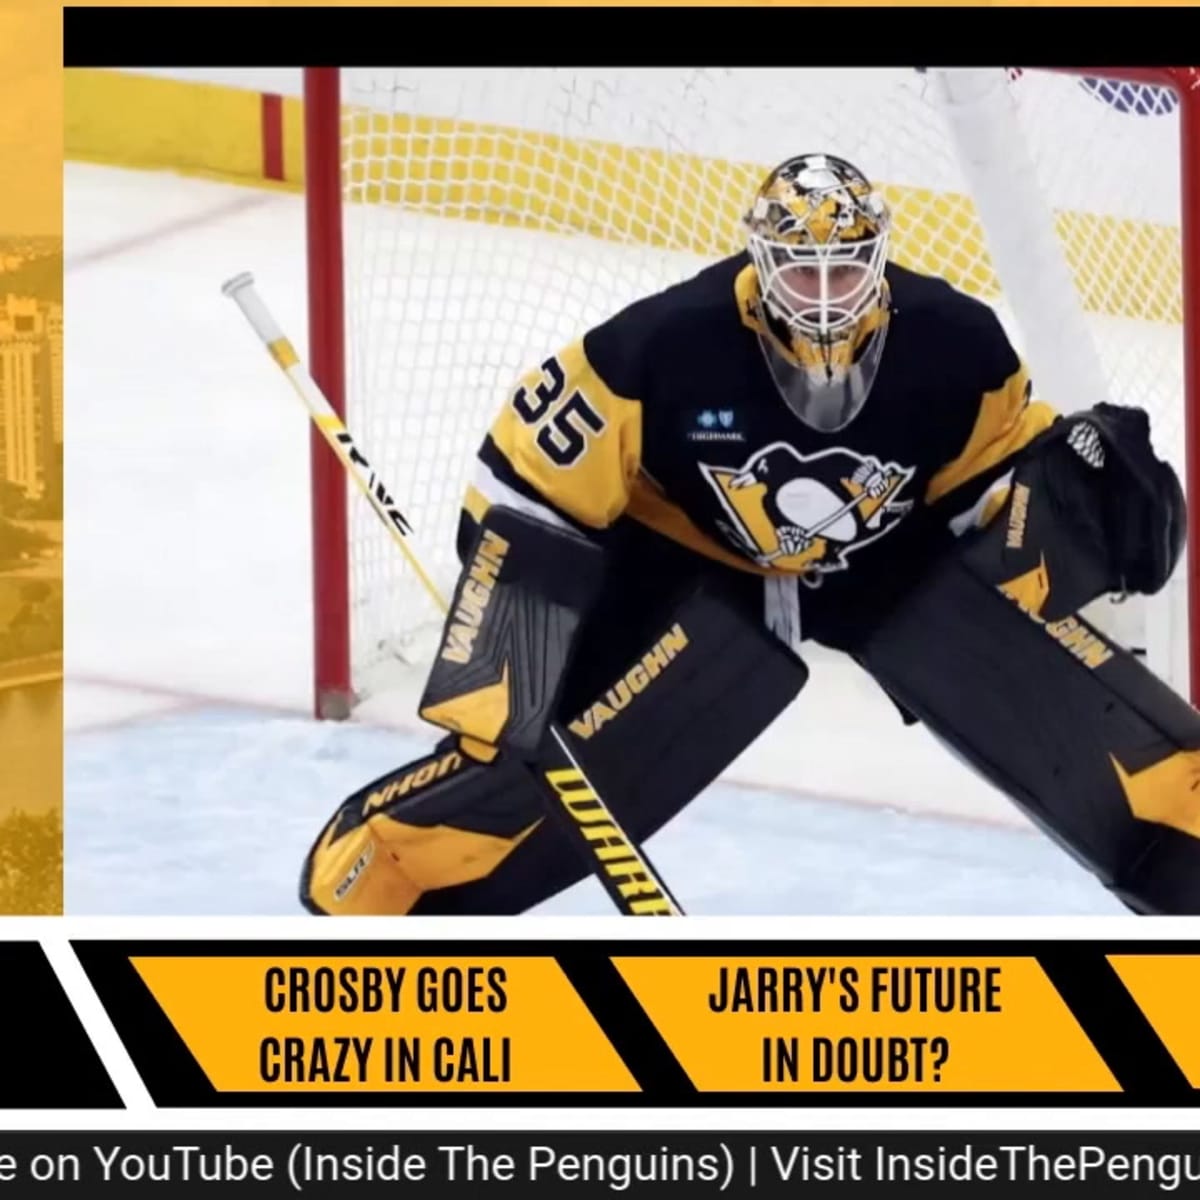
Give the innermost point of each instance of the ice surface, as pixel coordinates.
(211, 812)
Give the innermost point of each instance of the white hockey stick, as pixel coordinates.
(629, 878)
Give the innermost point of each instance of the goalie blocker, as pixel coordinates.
(1078, 733)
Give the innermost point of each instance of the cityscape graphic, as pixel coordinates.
(31, 573)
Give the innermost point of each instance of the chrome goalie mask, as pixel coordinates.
(817, 234)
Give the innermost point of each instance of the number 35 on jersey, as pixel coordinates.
(571, 439)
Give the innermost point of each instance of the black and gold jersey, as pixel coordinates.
(667, 414)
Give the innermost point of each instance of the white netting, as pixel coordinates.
(494, 214)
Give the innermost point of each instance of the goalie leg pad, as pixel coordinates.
(440, 821)
(1087, 741)
(523, 592)
(661, 728)
(673, 681)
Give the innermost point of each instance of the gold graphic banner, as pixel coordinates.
(1167, 989)
(469, 1024)
(662, 1023)
(31, 459)
(867, 1024)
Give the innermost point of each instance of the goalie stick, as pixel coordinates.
(623, 869)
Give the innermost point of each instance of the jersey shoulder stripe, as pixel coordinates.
(1004, 417)
(570, 438)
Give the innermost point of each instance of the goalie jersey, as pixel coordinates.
(666, 414)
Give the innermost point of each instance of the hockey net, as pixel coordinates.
(487, 216)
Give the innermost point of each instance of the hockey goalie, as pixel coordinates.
(801, 442)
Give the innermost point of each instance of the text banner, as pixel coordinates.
(644, 1164)
(654, 1023)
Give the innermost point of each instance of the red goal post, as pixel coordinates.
(331, 144)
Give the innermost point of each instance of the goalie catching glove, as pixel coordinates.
(1139, 508)
(1145, 513)
(1092, 482)
(507, 641)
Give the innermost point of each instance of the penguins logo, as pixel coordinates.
(806, 513)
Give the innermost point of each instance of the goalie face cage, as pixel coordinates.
(463, 223)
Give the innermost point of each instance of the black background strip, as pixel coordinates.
(1119, 1031)
(48, 1059)
(171, 1074)
(580, 36)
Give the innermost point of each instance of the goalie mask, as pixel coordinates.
(817, 234)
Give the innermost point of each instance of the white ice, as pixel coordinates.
(195, 777)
